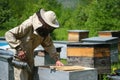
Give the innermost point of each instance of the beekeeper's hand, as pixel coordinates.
(21, 55)
(59, 63)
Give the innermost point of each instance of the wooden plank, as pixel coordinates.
(73, 36)
(80, 51)
(101, 52)
(105, 34)
(68, 68)
(88, 51)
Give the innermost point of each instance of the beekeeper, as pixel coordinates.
(27, 36)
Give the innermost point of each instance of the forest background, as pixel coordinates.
(92, 15)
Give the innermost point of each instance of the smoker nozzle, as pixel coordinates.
(20, 64)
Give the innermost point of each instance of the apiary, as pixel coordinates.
(77, 35)
(66, 73)
(93, 55)
(110, 34)
(113, 41)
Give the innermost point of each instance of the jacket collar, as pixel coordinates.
(35, 21)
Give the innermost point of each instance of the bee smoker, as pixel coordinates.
(21, 65)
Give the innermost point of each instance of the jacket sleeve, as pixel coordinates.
(50, 48)
(13, 36)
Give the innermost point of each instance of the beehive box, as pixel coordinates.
(77, 35)
(6, 68)
(110, 34)
(63, 44)
(113, 41)
(43, 58)
(114, 77)
(66, 73)
(93, 55)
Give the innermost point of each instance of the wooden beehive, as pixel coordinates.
(110, 34)
(93, 55)
(113, 41)
(77, 35)
(66, 73)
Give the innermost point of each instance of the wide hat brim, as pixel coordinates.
(55, 25)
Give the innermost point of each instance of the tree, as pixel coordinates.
(5, 12)
(103, 15)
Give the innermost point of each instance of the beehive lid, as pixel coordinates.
(110, 31)
(78, 30)
(100, 39)
(84, 43)
(61, 42)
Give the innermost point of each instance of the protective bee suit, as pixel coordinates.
(26, 37)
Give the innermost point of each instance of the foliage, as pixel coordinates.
(5, 12)
(103, 15)
(92, 15)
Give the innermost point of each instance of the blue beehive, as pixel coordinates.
(6, 68)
